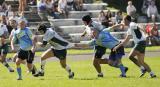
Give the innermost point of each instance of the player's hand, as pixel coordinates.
(75, 44)
(82, 36)
(39, 44)
(13, 49)
(33, 50)
(115, 48)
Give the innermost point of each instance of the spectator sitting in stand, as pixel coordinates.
(4, 7)
(49, 6)
(109, 15)
(131, 10)
(62, 8)
(152, 11)
(155, 37)
(78, 5)
(119, 17)
(70, 4)
(42, 12)
(55, 13)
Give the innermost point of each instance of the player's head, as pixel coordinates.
(86, 19)
(127, 19)
(3, 18)
(13, 22)
(21, 24)
(42, 28)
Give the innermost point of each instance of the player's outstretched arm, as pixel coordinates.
(123, 43)
(40, 44)
(84, 33)
(117, 26)
(34, 39)
(81, 45)
(12, 45)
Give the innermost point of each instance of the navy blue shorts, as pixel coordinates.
(28, 55)
(115, 55)
(100, 51)
(140, 46)
(60, 54)
(4, 49)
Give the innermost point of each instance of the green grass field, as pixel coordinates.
(85, 76)
(88, 51)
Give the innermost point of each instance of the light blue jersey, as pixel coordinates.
(104, 39)
(23, 38)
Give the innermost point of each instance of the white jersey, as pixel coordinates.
(96, 25)
(137, 34)
(12, 32)
(3, 29)
(55, 40)
(93, 25)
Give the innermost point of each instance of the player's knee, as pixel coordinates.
(131, 57)
(95, 62)
(1, 60)
(63, 65)
(110, 63)
(43, 58)
(18, 63)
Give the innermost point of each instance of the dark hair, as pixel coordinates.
(86, 18)
(42, 27)
(128, 18)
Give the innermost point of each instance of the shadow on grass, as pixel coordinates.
(85, 78)
(135, 77)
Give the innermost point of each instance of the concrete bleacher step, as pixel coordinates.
(67, 22)
(80, 14)
(31, 14)
(95, 6)
(72, 29)
(33, 24)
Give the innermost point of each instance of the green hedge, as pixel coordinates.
(122, 4)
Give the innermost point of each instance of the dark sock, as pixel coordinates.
(134, 60)
(6, 64)
(122, 68)
(19, 71)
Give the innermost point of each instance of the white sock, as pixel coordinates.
(100, 73)
(68, 69)
(151, 73)
(6, 65)
(43, 63)
(141, 67)
(10, 68)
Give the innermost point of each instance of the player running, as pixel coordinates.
(102, 39)
(58, 49)
(4, 45)
(139, 48)
(100, 49)
(23, 36)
